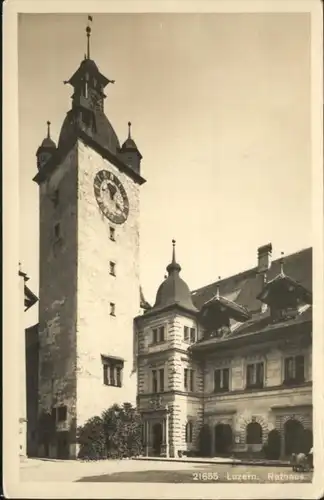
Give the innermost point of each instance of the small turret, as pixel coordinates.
(46, 150)
(129, 152)
(173, 290)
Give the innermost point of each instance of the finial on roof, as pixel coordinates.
(88, 31)
(281, 264)
(174, 266)
(129, 130)
(48, 129)
(217, 288)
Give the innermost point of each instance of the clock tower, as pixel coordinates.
(89, 189)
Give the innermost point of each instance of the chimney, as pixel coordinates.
(264, 258)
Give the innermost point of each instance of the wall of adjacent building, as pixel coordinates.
(32, 362)
(173, 356)
(270, 406)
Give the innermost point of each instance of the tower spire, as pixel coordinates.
(88, 31)
(129, 130)
(217, 288)
(282, 264)
(174, 266)
(48, 129)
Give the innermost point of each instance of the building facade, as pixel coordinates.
(227, 369)
(89, 190)
(220, 370)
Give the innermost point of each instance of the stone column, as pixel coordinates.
(167, 451)
(163, 451)
(146, 435)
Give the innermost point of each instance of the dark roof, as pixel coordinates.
(259, 329)
(234, 310)
(129, 144)
(280, 284)
(48, 143)
(173, 291)
(30, 298)
(243, 288)
(105, 135)
(87, 66)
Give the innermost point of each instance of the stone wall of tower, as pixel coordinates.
(99, 333)
(57, 291)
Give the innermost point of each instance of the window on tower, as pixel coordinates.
(189, 335)
(56, 198)
(158, 380)
(57, 231)
(112, 268)
(112, 233)
(112, 371)
(61, 413)
(158, 335)
(112, 309)
(188, 380)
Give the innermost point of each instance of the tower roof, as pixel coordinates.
(173, 290)
(48, 141)
(87, 113)
(104, 134)
(129, 144)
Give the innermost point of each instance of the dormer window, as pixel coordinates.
(284, 296)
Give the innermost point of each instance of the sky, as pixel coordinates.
(220, 110)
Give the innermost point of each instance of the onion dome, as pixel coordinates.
(173, 290)
(46, 150)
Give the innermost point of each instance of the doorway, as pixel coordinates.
(223, 439)
(294, 437)
(157, 438)
(63, 445)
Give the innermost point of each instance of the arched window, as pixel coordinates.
(253, 433)
(189, 432)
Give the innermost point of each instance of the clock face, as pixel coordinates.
(111, 196)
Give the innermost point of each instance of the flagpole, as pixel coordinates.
(88, 31)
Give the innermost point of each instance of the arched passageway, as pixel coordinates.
(223, 439)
